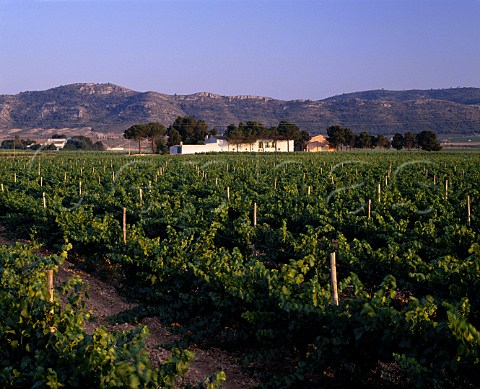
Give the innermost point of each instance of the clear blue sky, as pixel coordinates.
(286, 49)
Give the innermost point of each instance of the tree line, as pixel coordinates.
(190, 131)
(251, 131)
(79, 142)
(339, 137)
(184, 129)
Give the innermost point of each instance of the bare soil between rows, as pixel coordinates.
(106, 302)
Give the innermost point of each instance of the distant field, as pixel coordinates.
(474, 138)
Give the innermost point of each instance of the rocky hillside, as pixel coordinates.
(111, 108)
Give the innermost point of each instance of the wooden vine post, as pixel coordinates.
(333, 273)
(254, 225)
(446, 189)
(124, 225)
(468, 210)
(228, 193)
(369, 207)
(50, 293)
(50, 284)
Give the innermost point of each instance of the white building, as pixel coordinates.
(220, 143)
(59, 143)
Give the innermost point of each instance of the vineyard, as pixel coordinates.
(234, 251)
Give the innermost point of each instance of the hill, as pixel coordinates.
(110, 108)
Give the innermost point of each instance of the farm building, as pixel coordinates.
(318, 143)
(59, 143)
(220, 143)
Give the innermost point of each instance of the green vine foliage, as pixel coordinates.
(408, 275)
(44, 344)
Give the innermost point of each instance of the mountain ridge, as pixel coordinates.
(111, 108)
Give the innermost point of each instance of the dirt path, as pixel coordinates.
(105, 303)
